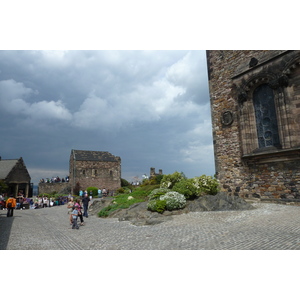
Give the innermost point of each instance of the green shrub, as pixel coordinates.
(153, 180)
(121, 190)
(168, 181)
(174, 200)
(94, 191)
(105, 211)
(3, 186)
(187, 188)
(124, 182)
(121, 201)
(206, 185)
(157, 205)
(158, 178)
(156, 193)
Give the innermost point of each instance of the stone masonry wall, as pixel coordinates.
(97, 174)
(57, 187)
(240, 171)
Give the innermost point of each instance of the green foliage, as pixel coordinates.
(156, 193)
(3, 187)
(121, 190)
(157, 205)
(206, 185)
(153, 180)
(168, 181)
(159, 178)
(121, 201)
(174, 200)
(94, 191)
(187, 188)
(124, 182)
(103, 213)
(77, 188)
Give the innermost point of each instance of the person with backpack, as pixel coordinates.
(11, 204)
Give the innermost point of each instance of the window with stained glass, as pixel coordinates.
(265, 114)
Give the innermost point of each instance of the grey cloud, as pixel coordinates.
(149, 107)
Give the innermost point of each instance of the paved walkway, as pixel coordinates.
(270, 227)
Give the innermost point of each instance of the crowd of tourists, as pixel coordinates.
(20, 202)
(77, 209)
(54, 179)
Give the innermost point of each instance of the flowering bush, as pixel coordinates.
(157, 205)
(168, 181)
(206, 185)
(156, 193)
(187, 188)
(174, 200)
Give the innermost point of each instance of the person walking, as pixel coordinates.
(70, 209)
(75, 216)
(85, 202)
(11, 204)
(79, 208)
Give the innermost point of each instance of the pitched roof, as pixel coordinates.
(94, 156)
(6, 166)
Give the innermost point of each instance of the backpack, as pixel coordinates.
(9, 202)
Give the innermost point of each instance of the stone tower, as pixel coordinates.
(255, 106)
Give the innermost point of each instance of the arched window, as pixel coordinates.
(265, 114)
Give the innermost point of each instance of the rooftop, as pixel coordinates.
(94, 155)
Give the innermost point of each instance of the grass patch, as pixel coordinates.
(121, 201)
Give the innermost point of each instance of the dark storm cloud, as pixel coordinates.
(149, 107)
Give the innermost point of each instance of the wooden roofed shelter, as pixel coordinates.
(14, 174)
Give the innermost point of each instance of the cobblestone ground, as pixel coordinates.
(269, 227)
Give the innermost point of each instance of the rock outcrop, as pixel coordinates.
(138, 214)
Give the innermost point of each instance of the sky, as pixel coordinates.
(150, 107)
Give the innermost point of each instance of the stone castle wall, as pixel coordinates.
(57, 187)
(97, 174)
(242, 168)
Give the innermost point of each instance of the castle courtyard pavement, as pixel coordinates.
(268, 227)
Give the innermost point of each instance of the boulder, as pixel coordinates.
(220, 202)
(138, 214)
(98, 204)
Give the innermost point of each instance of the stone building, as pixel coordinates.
(153, 174)
(255, 107)
(14, 174)
(94, 169)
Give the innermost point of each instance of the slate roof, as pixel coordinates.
(6, 166)
(94, 156)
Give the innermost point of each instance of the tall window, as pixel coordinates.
(265, 114)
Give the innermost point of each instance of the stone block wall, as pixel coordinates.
(57, 187)
(242, 168)
(98, 169)
(97, 174)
